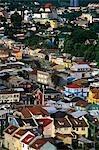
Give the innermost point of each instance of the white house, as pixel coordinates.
(80, 70)
(9, 96)
(75, 89)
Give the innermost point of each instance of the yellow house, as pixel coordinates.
(19, 55)
(53, 23)
(79, 126)
(63, 126)
(68, 63)
(12, 136)
(66, 138)
(8, 137)
(93, 96)
(69, 124)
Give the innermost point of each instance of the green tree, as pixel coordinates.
(68, 48)
(90, 53)
(16, 20)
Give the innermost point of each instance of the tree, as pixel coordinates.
(16, 20)
(81, 35)
(76, 50)
(68, 46)
(90, 53)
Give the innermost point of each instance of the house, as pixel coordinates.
(69, 125)
(42, 96)
(44, 77)
(81, 105)
(18, 122)
(26, 140)
(47, 126)
(93, 109)
(66, 138)
(76, 90)
(93, 96)
(8, 139)
(19, 82)
(17, 53)
(42, 144)
(63, 126)
(13, 135)
(80, 70)
(9, 96)
(30, 112)
(79, 125)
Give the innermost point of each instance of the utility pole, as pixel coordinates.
(43, 95)
(94, 138)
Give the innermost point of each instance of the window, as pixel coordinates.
(76, 129)
(65, 128)
(14, 95)
(83, 128)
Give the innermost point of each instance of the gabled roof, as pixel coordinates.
(77, 122)
(96, 92)
(64, 135)
(62, 122)
(28, 111)
(40, 142)
(20, 133)
(28, 139)
(74, 86)
(10, 129)
(93, 107)
(44, 122)
(37, 110)
(23, 122)
(81, 103)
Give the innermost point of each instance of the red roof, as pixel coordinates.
(38, 110)
(48, 5)
(40, 142)
(35, 110)
(10, 129)
(28, 139)
(44, 122)
(74, 86)
(81, 103)
(25, 112)
(20, 133)
(82, 62)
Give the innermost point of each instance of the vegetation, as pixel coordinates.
(77, 46)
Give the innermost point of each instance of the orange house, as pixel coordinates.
(93, 96)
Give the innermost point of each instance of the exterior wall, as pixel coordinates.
(49, 130)
(19, 55)
(53, 23)
(76, 91)
(65, 130)
(13, 97)
(91, 99)
(7, 141)
(43, 77)
(68, 140)
(48, 146)
(88, 16)
(79, 75)
(68, 65)
(81, 132)
(80, 108)
(24, 146)
(16, 144)
(11, 142)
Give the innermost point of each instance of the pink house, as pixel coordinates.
(47, 126)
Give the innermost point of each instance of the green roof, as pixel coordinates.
(93, 107)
